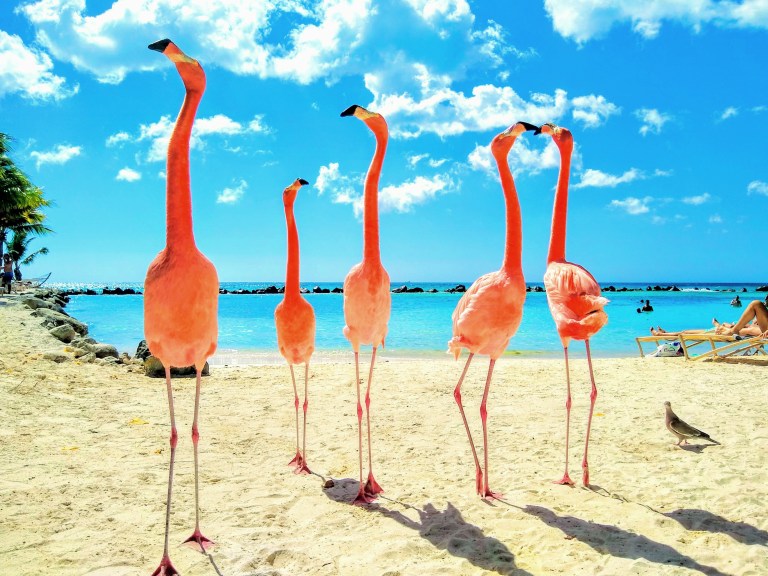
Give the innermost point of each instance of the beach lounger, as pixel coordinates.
(722, 346)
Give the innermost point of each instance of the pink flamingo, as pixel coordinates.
(572, 293)
(181, 289)
(295, 322)
(367, 300)
(488, 314)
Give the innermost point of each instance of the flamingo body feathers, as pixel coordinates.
(574, 300)
(295, 323)
(488, 314)
(367, 304)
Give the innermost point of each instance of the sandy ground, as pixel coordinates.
(84, 459)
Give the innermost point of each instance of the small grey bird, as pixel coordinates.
(681, 429)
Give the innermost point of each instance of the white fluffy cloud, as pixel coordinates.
(439, 109)
(757, 187)
(599, 179)
(157, 134)
(61, 154)
(729, 112)
(392, 198)
(652, 120)
(233, 194)
(697, 200)
(633, 206)
(28, 71)
(583, 20)
(128, 175)
(522, 159)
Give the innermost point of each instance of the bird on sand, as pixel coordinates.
(489, 313)
(681, 429)
(295, 323)
(573, 294)
(367, 298)
(181, 289)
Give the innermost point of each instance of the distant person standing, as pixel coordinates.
(736, 302)
(7, 271)
(647, 307)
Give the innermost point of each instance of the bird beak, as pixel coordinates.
(530, 127)
(303, 182)
(350, 111)
(160, 45)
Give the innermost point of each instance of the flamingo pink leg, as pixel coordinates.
(457, 397)
(166, 568)
(372, 488)
(361, 497)
(487, 493)
(197, 537)
(302, 467)
(566, 479)
(592, 398)
(297, 461)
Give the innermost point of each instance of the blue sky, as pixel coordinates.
(668, 104)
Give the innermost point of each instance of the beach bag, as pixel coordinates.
(669, 349)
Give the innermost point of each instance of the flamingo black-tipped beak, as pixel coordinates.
(160, 45)
(303, 182)
(350, 111)
(530, 127)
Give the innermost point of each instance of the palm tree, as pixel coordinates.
(18, 247)
(21, 201)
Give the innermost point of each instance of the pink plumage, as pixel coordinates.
(489, 313)
(572, 292)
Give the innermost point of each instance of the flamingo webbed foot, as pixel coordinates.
(199, 542)
(302, 469)
(297, 461)
(165, 568)
(488, 494)
(372, 488)
(565, 480)
(362, 499)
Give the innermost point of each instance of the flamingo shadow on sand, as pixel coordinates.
(444, 529)
(609, 539)
(703, 520)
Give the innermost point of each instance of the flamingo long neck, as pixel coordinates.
(514, 241)
(560, 211)
(292, 266)
(371, 251)
(179, 231)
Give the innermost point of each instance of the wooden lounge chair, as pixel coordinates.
(722, 346)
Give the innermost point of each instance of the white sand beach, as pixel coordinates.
(84, 460)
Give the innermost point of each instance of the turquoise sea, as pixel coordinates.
(420, 322)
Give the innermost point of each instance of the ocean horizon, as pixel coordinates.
(420, 323)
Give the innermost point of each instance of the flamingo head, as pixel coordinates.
(503, 142)
(190, 70)
(561, 136)
(373, 120)
(289, 194)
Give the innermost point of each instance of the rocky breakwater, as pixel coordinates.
(48, 306)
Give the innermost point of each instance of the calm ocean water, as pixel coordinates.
(420, 323)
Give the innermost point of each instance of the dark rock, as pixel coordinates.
(538, 289)
(155, 369)
(304, 290)
(415, 290)
(271, 290)
(65, 332)
(35, 303)
(318, 290)
(52, 318)
(457, 288)
(400, 290)
(56, 356)
(338, 290)
(762, 288)
(432, 290)
(142, 351)
(105, 350)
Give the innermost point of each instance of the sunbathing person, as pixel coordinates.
(753, 322)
